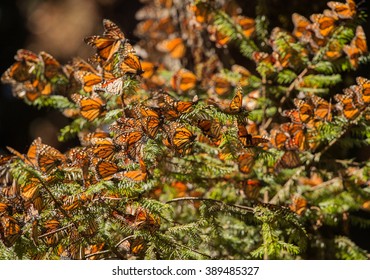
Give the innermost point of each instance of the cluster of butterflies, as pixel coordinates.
(97, 86)
(35, 75)
(309, 114)
(316, 32)
(202, 13)
(22, 203)
(165, 42)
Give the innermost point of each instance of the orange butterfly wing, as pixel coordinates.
(10, 230)
(246, 162)
(49, 158)
(343, 10)
(236, 103)
(90, 107)
(183, 80)
(175, 47)
(108, 44)
(364, 88)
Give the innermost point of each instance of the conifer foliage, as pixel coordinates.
(187, 154)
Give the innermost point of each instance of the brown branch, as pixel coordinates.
(55, 231)
(97, 253)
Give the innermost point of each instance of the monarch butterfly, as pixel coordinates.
(27, 56)
(31, 157)
(346, 104)
(322, 109)
(303, 113)
(112, 86)
(250, 188)
(183, 80)
(108, 44)
(137, 217)
(31, 189)
(5, 160)
(150, 121)
(149, 69)
(85, 138)
(298, 205)
(142, 218)
(52, 236)
(174, 47)
(316, 43)
(179, 137)
(105, 170)
(21, 70)
(247, 139)
(220, 85)
(25, 78)
(334, 50)
(182, 138)
(79, 157)
(297, 140)
(10, 230)
(130, 64)
(137, 175)
(245, 162)
(244, 74)
(33, 90)
(262, 57)
(151, 75)
(80, 64)
(131, 142)
(236, 102)
(290, 136)
(88, 79)
(247, 24)
(289, 159)
(103, 148)
(4, 208)
(344, 11)
(158, 28)
(125, 124)
(301, 25)
(323, 24)
(218, 37)
(211, 128)
(145, 26)
(6, 178)
(279, 138)
(357, 47)
(49, 158)
(52, 67)
(170, 108)
(364, 88)
(128, 137)
(90, 107)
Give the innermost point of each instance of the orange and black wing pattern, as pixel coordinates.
(108, 44)
(90, 107)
